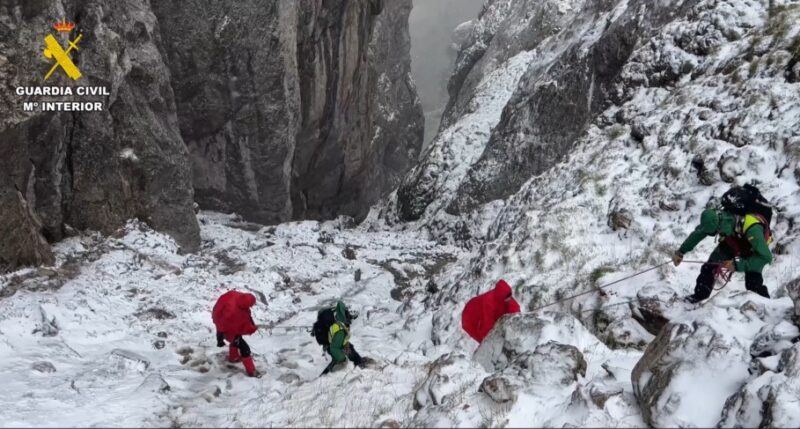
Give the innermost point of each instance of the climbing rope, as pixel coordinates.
(720, 273)
(292, 328)
(569, 298)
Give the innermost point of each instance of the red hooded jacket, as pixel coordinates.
(481, 312)
(231, 314)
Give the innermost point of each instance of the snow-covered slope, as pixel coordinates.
(704, 94)
(708, 97)
(120, 333)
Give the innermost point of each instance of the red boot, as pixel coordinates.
(249, 366)
(233, 354)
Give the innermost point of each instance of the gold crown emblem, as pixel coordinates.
(63, 26)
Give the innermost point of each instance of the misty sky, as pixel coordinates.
(431, 25)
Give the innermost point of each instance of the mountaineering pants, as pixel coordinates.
(352, 356)
(244, 348)
(237, 343)
(753, 281)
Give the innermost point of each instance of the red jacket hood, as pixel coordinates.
(246, 300)
(502, 290)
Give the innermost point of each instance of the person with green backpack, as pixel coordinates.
(743, 227)
(332, 331)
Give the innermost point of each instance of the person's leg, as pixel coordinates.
(233, 350)
(233, 353)
(331, 364)
(353, 355)
(705, 281)
(755, 282)
(247, 359)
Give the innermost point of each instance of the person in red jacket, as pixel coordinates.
(231, 316)
(481, 312)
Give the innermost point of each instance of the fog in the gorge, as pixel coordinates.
(433, 52)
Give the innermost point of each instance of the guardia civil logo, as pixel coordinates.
(60, 55)
(60, 95)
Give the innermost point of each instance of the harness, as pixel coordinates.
(335, 328)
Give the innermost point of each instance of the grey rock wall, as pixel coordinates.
(95, 170)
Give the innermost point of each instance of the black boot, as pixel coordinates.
(693, 299)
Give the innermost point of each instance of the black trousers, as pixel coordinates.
(244, 348)
(238, 342)
(350, 352)
(753, 281)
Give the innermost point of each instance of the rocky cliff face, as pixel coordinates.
(579, 59)
(279, 110)
(93, 170)
(315, 120)
(235, 76)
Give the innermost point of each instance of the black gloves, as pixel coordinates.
(220, 339)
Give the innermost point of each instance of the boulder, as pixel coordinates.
(552, 363)
(498, 388)
(793, 290)
(154, 383)
(449, 376)
(769, 400)
(126, 360)
(349, 253)
(731, 165)
(651, 307)
(389, 424)
(21, 239)
(43, 367)
(620, 219)
(772, 339)
(686, 373)
(521, 334)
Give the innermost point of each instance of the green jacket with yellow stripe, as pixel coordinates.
(339, 334)
(719, 222)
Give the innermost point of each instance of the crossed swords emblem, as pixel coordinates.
(55, 51)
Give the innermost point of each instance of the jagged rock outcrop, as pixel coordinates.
(503, 29)
(551, 109)
(793, 290)
(587, 63)
(682, 357)
(499, 389)
(520, 335)
(446, 381)
(769, 400)
(21, 241)
(317, 118)
(490, 63)
(95, 170)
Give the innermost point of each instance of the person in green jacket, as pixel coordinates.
(340, 348)
(743, 247)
